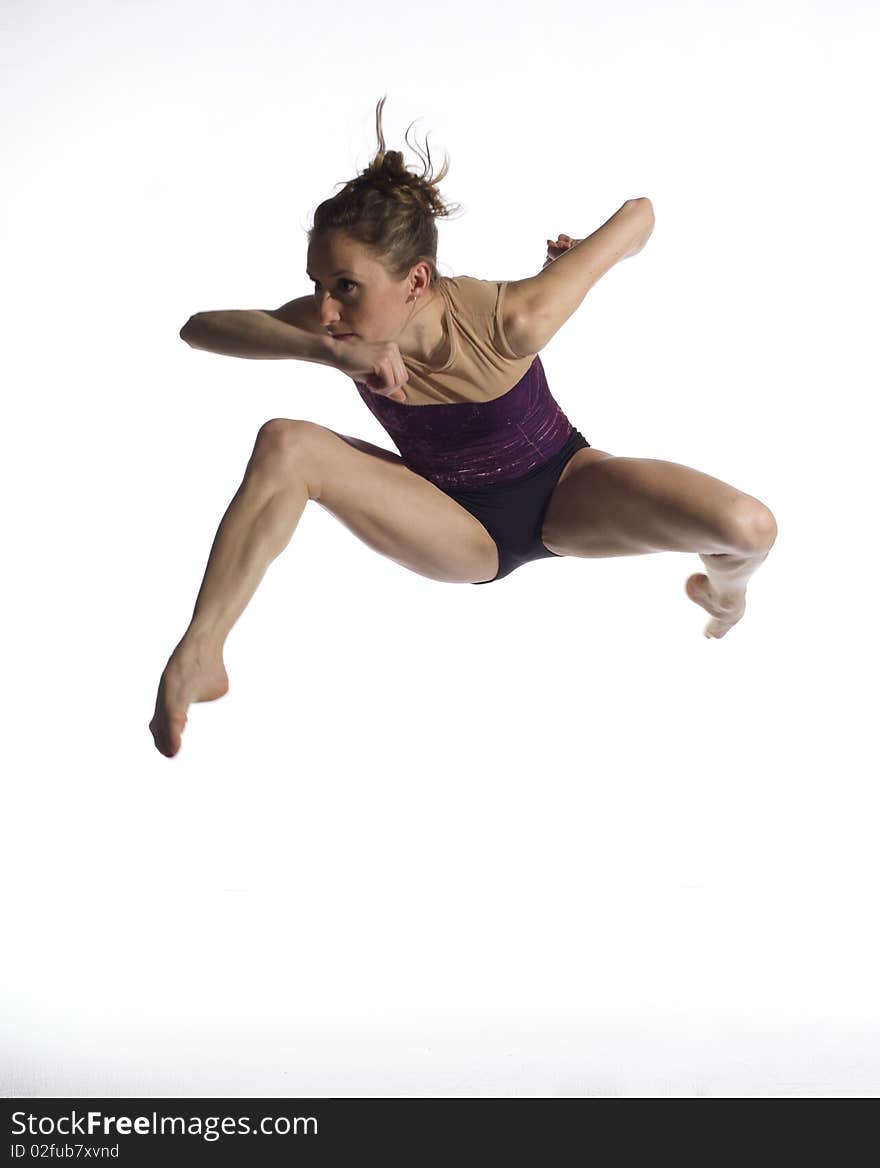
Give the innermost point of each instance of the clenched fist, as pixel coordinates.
(377, 363)
(562, 244)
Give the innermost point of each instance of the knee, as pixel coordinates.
(285, 438)
(284, 450)
(755, 526)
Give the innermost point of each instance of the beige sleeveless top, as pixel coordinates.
(480, 365)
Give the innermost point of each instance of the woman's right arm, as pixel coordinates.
(287, 332)
(294, 332)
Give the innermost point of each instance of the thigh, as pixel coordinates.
(629, 506)
(397, 512)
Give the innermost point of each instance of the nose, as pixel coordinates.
(327, 316)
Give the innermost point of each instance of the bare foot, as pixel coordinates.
(725, 612)
(191, 675)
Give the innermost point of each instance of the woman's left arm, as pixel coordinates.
(536, 308)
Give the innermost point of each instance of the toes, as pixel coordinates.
(716, 629)
(167, 734)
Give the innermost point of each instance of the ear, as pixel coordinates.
(420, 277)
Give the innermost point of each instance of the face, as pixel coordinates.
(355, 294)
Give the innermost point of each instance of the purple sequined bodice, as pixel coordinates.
(458, 445)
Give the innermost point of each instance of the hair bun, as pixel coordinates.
(389, 208)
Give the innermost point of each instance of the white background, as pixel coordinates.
(534, 838)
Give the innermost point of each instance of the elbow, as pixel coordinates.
(186, 333)
(642, 201)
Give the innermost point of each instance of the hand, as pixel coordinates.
(555, 250)
(377, 363)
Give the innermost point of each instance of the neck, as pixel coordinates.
(423, 333)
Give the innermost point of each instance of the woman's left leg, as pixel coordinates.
(609, 506)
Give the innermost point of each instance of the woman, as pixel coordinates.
(492, 473)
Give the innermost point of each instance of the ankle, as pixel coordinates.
(729, 574)
(200, 642)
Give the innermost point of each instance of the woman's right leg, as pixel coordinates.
(398, 513)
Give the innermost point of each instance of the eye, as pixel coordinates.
(350, 283)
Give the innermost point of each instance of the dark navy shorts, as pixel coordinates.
(513, 512)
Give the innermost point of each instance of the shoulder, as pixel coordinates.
(498, 303)
(478, 297)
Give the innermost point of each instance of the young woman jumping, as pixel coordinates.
(491, 474)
